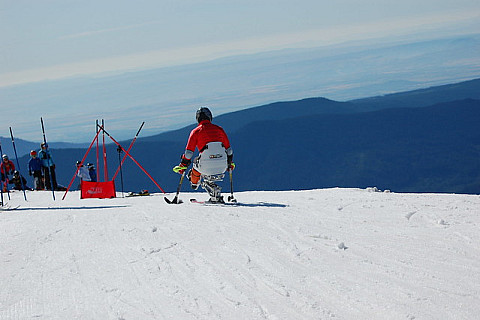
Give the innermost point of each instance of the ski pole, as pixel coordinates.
(49, 167)
(175, 200)
(231, 198)
(18, 164)
(120, 162)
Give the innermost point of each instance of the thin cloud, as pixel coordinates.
(108, 30)
(210, 51)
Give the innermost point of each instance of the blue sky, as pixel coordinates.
(52, 39)
(43, 40)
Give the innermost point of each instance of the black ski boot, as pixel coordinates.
(218, 200)
(214, 191)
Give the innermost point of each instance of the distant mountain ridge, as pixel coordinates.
(289, 109)
(422, 97)
(341, 72)
(317, 143)
(274, 111)
(24, 147)
(428, 149)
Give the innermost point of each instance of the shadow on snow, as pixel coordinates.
(70, 208)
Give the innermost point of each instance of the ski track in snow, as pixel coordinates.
(318, 254)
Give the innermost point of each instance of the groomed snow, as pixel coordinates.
(319, 254)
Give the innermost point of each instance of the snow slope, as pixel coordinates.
(319, 254)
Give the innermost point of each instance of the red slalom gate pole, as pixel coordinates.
(84, 157)
(129, 148)
(136, 162)
(104, 149)
(98, 163)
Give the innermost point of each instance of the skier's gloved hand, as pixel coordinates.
(185, 162)
(230, 163)
(179, 169)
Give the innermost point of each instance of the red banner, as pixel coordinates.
(99, 190)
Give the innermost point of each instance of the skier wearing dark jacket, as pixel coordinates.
(19, 182)
(35, 170)
(215, 155)
(48, 167)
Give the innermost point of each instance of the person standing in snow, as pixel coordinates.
(82, 172)
(19, 182)
(48, 167)
(92, 172)
(7, 169)
(35, 170)
(215, 155)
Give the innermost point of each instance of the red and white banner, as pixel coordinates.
(97, 189)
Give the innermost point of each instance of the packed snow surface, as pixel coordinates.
(319, 254)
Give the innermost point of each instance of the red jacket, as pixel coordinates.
(9, 166)
(204, 133)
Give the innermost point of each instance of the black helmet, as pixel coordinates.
(16, 173)
(204, 114)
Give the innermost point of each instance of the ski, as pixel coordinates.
(8, 208)
(49, 169)
(213, 203)
(142, 193)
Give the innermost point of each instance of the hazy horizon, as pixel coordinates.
(72, 62)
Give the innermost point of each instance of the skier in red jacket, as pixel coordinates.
(215, 155)
(6, 168)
